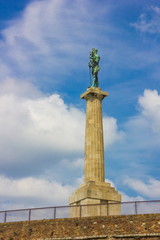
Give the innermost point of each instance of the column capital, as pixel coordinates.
(94, 92)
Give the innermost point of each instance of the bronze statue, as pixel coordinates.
(94, 61)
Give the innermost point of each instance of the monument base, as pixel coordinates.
(100, 193)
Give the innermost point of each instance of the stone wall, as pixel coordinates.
(112, 227)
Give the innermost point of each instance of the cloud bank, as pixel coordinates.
(41, 137)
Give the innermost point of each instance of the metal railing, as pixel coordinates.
(123, 208)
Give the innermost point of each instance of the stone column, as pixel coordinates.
(94, 190)
(94, 145)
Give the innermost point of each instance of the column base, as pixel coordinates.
(93, 192)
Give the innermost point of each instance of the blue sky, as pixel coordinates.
(44, 54)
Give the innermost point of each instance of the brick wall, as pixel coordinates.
(112, 227)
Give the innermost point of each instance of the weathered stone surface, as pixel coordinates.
(94, 146)
(112, 227)
(95, 193)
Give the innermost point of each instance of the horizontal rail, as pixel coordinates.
(105, 209)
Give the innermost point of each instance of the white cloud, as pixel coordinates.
(33, 25)
(33, 126)
(143, 129)
(42, 130)
(73, 164)
(55, 124)
(149, 22)
(21, 89)
(137, 153)
(140, 207)
(127, 198)
(45, 41)
(149, 189)
(150, 104)
(40, 136)
(111, 132)
(32, 192)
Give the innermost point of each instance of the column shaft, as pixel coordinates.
(94, 147)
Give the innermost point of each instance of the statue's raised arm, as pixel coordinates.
(94, 65)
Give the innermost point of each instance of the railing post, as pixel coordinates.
(54, 212)
(107, 209)
(80, 211)
(5, 216)
(29, 216)
(135, 207)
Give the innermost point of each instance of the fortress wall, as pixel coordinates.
(112, 227)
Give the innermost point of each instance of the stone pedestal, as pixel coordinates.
(91, 193)
(94, 190)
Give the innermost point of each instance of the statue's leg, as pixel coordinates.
(96, 79)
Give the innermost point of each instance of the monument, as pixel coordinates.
(94, 190)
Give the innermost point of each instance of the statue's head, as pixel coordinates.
(95, 50)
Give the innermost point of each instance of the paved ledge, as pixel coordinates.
(106, 236)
